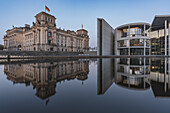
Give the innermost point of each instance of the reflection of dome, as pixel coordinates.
(71, 77)
(45, 91)
(132, 82)
(82, 77)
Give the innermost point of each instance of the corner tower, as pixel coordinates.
(45, 26)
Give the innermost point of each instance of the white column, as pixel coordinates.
(144, 66)
(165, 37)
(169, 39)
(144, 30)
(144, 46)
(129, 40)
(150, 41)
(168, 73)
(144, 42)
(165, 71)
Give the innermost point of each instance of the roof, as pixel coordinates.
(134, 24)
(45, 14)
(159, 21)
(82, 30)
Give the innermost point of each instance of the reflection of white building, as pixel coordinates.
(160, 77)
(136, 74)
(133, 73)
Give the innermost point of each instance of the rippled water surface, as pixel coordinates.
(86, 86)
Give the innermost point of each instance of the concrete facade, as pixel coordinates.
(105, 38)
(132, 39)
(44, 36)
(105, 75)
(135, 38)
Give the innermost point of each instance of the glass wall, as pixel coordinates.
(134, 70)
(124, 33)
(137, 51)
(124, 52)
(123, 43)
(147, 43)
(147, 51)
(135, 32)
(134, 61)
(158, 41)
(137, 42)
(132, 32)
(139, 70)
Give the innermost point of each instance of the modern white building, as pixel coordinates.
(135, 38)
(132, 39)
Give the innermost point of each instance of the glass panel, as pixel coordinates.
(123, 43)
(137, 51)
(124, 52)
(132, 32)
(147, 43)
(137, 42)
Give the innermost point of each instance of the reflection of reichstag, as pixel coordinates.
(136, 74)
(44, 76)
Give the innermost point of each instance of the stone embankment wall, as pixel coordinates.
(37, 53)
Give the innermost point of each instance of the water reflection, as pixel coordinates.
(135, 74)
(44, 76)
(129, 73)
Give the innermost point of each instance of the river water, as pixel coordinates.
(121, 85)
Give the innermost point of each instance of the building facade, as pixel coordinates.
(135, 38)
(44, 36)
(132, 39)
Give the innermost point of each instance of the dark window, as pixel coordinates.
(49, 34)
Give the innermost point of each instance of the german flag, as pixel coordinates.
(46, 8)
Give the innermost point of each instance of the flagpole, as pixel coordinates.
(45, 9)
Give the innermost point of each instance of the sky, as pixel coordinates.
(71, 14)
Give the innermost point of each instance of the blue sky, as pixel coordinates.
(71, 14)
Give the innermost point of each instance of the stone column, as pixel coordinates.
(5, 43)
(34, 36)
(46, 42)
(38, 39)
(8, 44)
